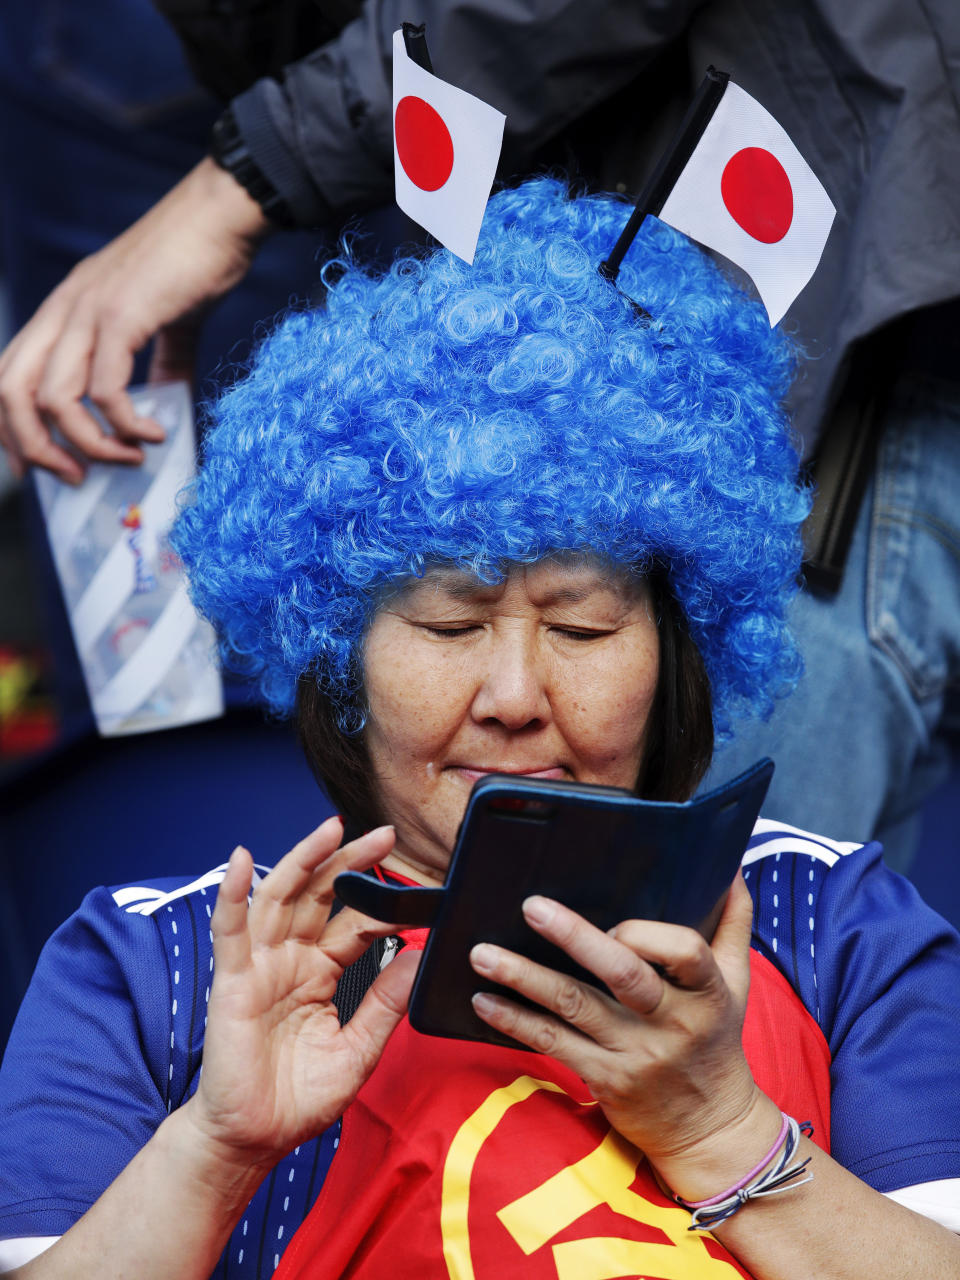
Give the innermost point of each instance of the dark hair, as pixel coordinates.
(679, 733)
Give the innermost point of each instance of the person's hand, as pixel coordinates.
(663, 1055)
(277, 1066)
(155, 279)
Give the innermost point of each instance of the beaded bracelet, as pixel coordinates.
(760, 1181)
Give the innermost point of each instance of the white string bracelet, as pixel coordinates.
(765, 1179)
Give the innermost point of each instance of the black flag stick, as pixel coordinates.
(671, 164)
(415, 42)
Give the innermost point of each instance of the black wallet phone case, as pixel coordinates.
(599, 850)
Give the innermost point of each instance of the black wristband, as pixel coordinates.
(229, 151)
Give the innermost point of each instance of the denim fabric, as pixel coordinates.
(856, 745)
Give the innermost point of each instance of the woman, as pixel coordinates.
(496, 519)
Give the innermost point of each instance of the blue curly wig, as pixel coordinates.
(492, 414)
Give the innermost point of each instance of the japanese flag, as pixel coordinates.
(446, 146)
(747, 192)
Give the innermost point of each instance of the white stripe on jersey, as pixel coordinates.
(937, 1200)
(782, 838)
(19, 1250)
(143, 900)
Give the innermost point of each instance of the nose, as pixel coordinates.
(512, 687)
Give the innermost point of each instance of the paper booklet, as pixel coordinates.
(148, 659)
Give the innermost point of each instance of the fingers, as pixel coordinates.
(277, 897)
(312, 907)
(642, 963)
(731, 942)
(579, 1009)
(228, 924)
(537, 1031)
(111, 369)
(24, 433)
(624, 958)
(382, 1008)
(294, 900)
(53, 364)
(349, 934)
(26, 439)
(92, 356)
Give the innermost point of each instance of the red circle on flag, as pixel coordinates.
(424, 145)
(758, 195)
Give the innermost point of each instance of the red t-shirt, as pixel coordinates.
(463, 1161)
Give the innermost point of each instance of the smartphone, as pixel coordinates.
(599, 850)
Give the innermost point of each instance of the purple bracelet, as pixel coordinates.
(738, 1186)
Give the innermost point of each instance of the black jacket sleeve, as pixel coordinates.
(229, 44)
(322, 134)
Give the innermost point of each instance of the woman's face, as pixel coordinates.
(550, 674)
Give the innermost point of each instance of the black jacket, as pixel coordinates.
(869, 92)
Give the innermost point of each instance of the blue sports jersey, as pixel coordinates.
(110, 1035)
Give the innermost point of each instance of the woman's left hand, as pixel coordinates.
(278, 1068)
(663, 1054)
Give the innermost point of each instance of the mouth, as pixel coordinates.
(473, 772)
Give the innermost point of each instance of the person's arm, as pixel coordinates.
(664, 1059)
(154, 279)
(320, 143)
(166, 1217)
(277, 1069)
(323, 137)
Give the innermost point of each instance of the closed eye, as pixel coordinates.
(448, 632)
(574, 633)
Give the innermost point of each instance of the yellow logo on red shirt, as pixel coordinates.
(606, 1176)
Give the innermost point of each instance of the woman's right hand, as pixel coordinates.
(278, 1068)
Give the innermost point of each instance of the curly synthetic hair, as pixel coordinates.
(489, 415)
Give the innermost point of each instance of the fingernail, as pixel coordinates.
(538, 910)
(483, 957)
(483, 1003)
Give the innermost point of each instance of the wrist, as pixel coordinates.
(237, 213)
(723, 1158)
(223, 1172)
(230, 153)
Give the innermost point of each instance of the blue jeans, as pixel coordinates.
(856, 745)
